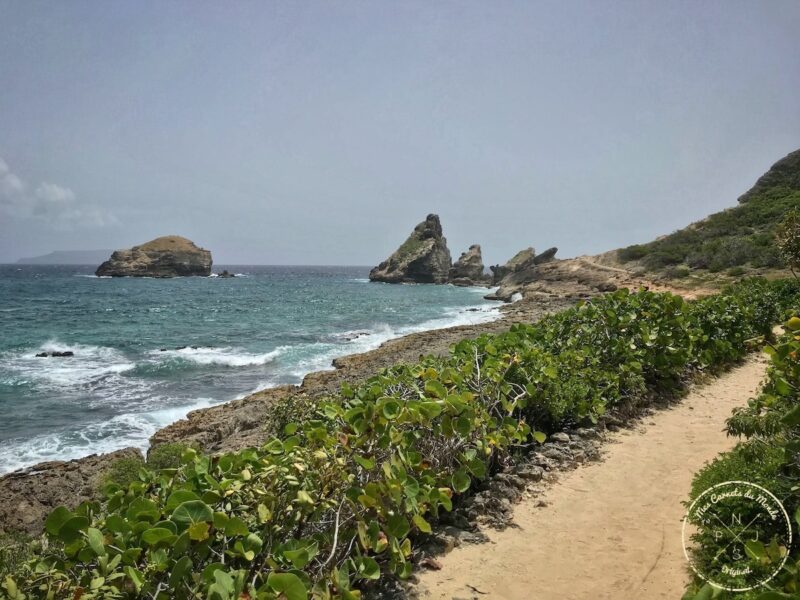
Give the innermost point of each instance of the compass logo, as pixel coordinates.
(736, 536)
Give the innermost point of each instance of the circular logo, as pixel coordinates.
(736, 536)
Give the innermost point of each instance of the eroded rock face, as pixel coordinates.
(27, 497)
(546, 256)
(169, 256)
(423, 257)
(468, 269)
(521, 260)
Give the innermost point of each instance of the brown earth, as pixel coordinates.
(610, 529)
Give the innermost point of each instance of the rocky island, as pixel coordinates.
(168, 256)
(422, 258)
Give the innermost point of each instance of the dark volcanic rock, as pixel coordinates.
(225, 274)
(170, 256)
(468, 269)
(423, 257)
(27, 497)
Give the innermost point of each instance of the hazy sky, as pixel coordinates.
(322, 132)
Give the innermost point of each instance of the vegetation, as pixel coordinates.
(333, 504)
(742, 236)
(736, 237)
(125, 471)
(787, 235)
(768, 456)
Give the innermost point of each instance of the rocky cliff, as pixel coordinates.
(517, 273)
(468, 269)
(521, 260)
(169, 256)
(423, 257)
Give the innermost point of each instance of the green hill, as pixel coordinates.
(737, 239)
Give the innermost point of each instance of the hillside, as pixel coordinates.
(735, 240)
(67, 257)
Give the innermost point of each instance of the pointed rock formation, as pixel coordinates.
(521, 260)
(423, 257)
(468, 269)
(169, 256)
(546, 256)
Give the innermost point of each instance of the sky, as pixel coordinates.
(322, 132)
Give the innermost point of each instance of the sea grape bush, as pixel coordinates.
(334, 502)
(768, 456)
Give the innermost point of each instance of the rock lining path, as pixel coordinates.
(610, 529)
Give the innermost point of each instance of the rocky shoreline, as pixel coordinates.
(27, 496)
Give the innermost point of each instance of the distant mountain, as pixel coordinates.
(735, 240)
(68, 257)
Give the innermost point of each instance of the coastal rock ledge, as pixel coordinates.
(168, 256)
(423, 257)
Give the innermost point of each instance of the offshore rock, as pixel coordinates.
(423, 257)
(468, 269)
(169, 256)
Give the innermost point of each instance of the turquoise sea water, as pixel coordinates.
(147, 351)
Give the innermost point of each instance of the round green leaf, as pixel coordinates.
(391, 409)
(56, 519)
(461, 481)
(193, 511)
(288, 584)
(96, 541)
(156, 535)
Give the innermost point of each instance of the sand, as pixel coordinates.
(610, 529)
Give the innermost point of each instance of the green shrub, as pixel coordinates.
(331, 503)
(739, 236)
(15, 550)
(123, 472)
(771, 424)
(165, 456)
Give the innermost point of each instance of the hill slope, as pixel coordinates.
(736, 238)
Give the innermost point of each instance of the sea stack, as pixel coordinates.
(468, 269)
(168, 256)
(423, 257)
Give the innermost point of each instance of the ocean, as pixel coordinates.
(148, 351)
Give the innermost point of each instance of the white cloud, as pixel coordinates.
(50, 203)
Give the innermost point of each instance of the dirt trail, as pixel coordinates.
(610, 529)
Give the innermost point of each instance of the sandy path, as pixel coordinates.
(611, 529)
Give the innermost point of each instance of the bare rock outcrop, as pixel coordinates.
(169, 256)
(521, 260)
(27, 497)
(546, 256)
(423, 257)
(468, 269)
